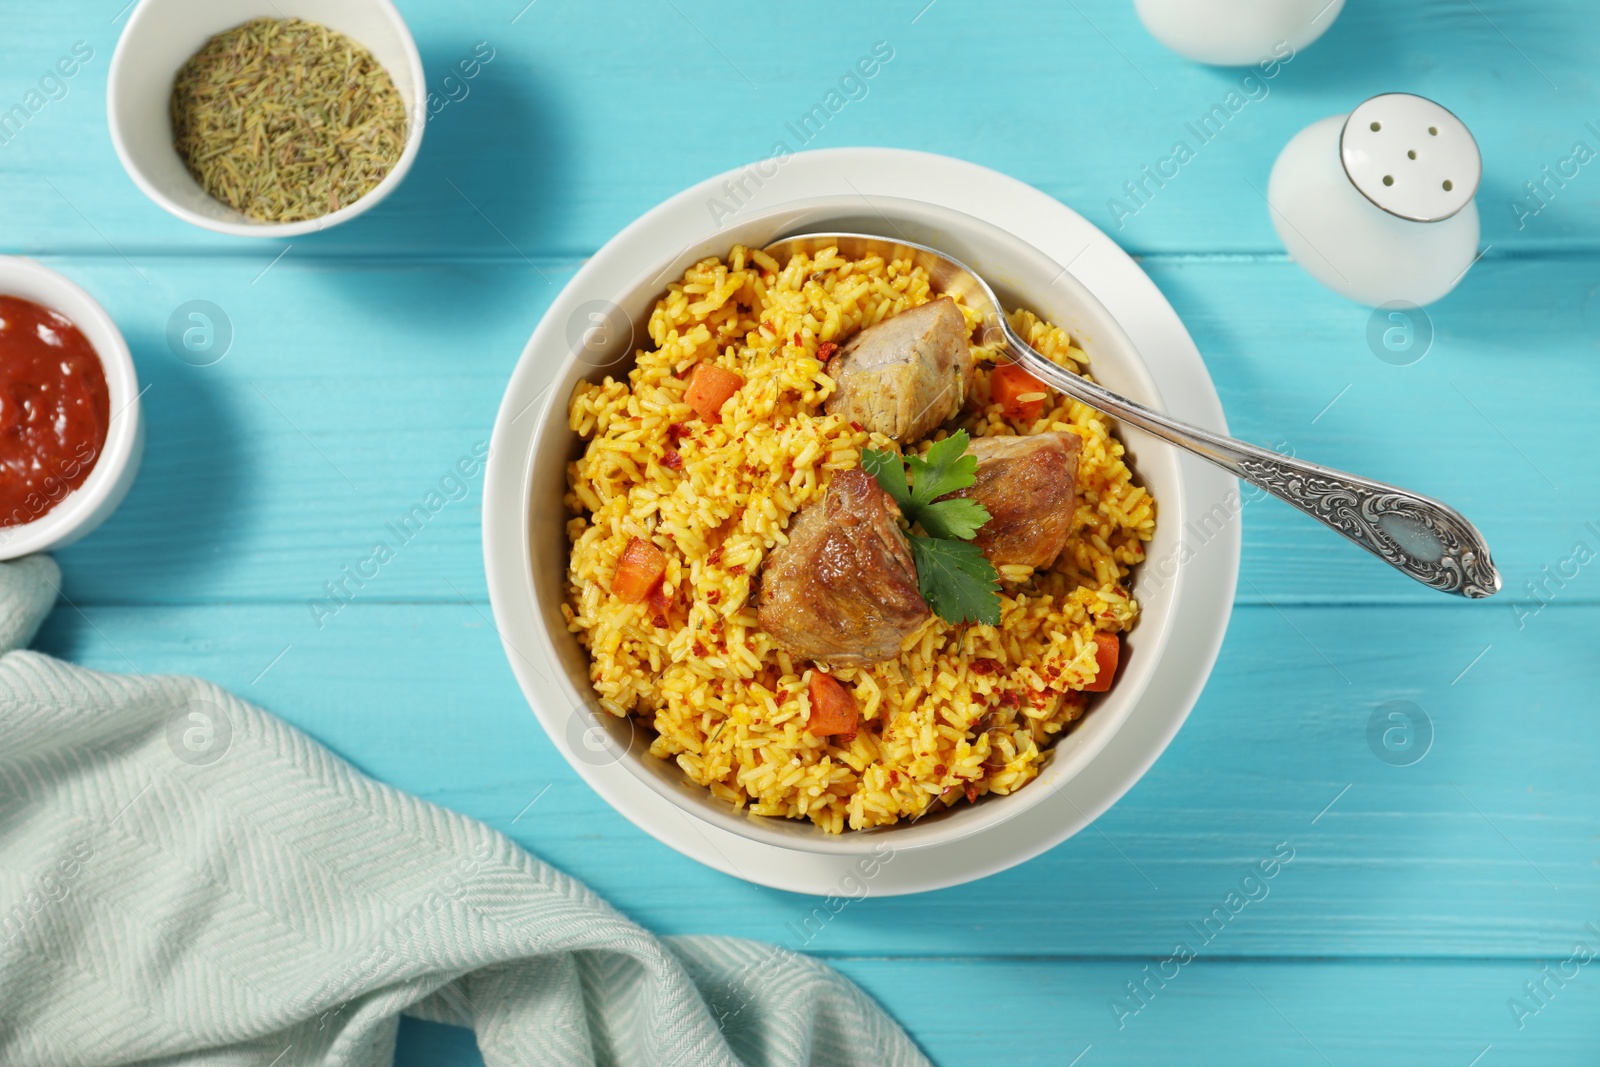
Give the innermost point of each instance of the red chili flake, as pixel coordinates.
(672, 461)
(856, 426)
(736, 569)
(679, 430)
(794, 338)
(1052, 673)
(699, 649)
(826, 350)
(659, 622)
(939, 769)
(766, 327)
(715, 557)
(1009, 700)
(984, 665)
(714, 597)
(972, 792)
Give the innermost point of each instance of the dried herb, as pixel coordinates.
(286, 120)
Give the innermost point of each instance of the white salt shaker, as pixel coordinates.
(1235, 33)
(1377, 205)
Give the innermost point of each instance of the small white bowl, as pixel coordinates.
(92, 502)
(160, 37)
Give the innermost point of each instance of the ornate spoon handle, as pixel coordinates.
(1415, 534)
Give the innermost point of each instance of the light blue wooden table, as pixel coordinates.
(1421, 899)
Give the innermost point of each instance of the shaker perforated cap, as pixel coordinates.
(1411, 157)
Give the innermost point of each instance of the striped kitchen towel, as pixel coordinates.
(185, 879)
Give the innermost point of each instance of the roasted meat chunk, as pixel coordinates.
(906, 374)
(1028, 484)
(844, 589)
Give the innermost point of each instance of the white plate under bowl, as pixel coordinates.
(975, 213)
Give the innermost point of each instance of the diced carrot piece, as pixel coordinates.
(660, 604)
(709, 388)
(833, 709)
(1009, 384)
(1107, 648)
(638, 571)
(658, 599)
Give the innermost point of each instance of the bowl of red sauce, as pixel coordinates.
(71, 435)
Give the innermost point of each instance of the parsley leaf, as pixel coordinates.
(956, 519)
(945, 468)
(953, 575)
(890, 472)
(957, 580)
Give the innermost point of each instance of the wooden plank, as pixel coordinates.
(1478, 421)
(1230, 1012)
(1208, 1012)
(570, 132)
(351, 388)
(1486, 847)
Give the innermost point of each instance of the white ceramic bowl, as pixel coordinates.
(160, 37)
(1021, 276)
(526, 550)
(92, 502)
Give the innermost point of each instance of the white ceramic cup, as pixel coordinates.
(1235, 33)
(160, 37)
(87, 506)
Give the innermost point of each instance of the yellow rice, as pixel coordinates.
(964, 711)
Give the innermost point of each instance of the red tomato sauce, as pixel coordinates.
(54, 409)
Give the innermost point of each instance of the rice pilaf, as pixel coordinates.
(965, 710)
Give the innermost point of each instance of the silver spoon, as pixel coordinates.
(1417, 535)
